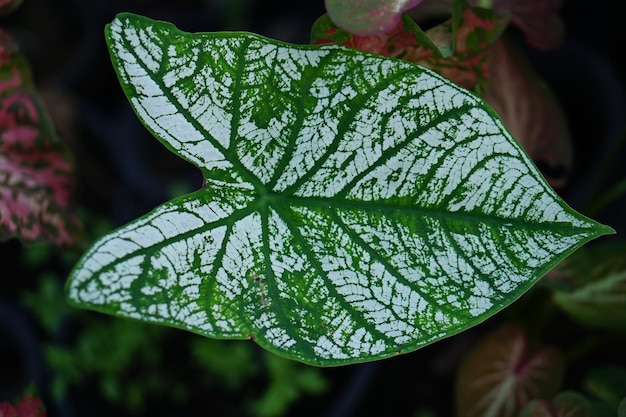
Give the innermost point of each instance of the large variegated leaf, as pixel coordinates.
(355, 206)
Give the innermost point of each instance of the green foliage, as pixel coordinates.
(607, 383)
(133, 364)
(231, 363)
(593, 287)
(566, 404)
(288, 382)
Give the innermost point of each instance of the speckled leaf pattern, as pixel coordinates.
(36, 171)
(456, 48)
(368, 17)
(355, 206)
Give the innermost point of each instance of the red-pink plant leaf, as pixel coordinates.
(500, 375)
(36, 173)
(29, 406)
(457, 48)
(6, 7)
(530, 111)
(475, 30)
(538, 19)
(368, 17)
(565, 404)
(538, 408)
(396, 43)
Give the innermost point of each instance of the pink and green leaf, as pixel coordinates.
(29, 406)
(565, 404)
(539, 20)
(501, 375)
(530, 110)
(368, 17)
(36, 172)
(6, 7)
(457, 48)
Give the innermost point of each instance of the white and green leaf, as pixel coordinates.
(354, 206)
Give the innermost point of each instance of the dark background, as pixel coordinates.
(122, 172)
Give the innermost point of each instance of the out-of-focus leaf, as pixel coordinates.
(538, 19)
(537, 408)
(7, 6)
(529, 110)
(457, 48)
(599, 304)
(288, 381)
(607, 383)
(368, 17)
(621, 409)
(29, 405)
(568, 275)
(36, 173)
(600, 298)
(500, 375)
(565, 404)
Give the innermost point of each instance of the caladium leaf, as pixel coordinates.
(539, 20)
(29, 405)
(501, 375)
(7, 6)
(457, 48)
(354, 206)
(530, 110)
(368, 17)
(36, 172)
(403, 40)
(565, 404)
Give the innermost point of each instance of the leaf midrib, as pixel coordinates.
(262, 189)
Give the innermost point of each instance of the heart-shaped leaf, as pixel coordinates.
(354, 206)
(530, 110)
(501, 375)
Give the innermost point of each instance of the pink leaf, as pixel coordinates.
(530, 111)
(29, 406)
(566, 404)
(500, 375)
(7, 6)
(36, 173)
(368, 17)
(457, 48)
(538, 19)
